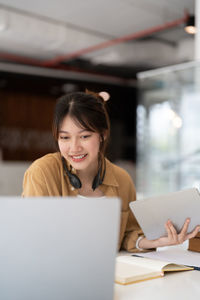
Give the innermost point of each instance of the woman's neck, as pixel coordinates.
(87, 177)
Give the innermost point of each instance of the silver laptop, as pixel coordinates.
(152, 213)
(58, 248)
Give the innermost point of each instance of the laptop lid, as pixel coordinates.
(152, 213)
(58, 248)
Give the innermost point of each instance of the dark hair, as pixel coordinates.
(88, 110)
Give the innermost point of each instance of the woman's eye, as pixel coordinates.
(64, 137)
(85, 136)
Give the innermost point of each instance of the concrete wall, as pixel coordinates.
(11, 177)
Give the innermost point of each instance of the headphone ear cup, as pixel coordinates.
(74, 180)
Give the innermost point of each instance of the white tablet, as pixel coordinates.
(152, 213)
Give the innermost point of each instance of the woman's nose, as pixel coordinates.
(75, 145)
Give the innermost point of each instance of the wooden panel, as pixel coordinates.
(25, 125)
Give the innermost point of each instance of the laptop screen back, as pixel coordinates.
(58, 248)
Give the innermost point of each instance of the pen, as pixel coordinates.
(137, 255)
(195, 268)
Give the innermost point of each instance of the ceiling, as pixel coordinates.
(113, 38)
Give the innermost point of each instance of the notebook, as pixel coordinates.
(133, 269)
(152, 213)
(58, 248)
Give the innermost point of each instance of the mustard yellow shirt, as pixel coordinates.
(46, 177)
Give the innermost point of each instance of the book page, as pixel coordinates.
(175, 255)
(143, 262)
(176, 267)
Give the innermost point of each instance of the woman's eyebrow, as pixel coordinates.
(81, 131)
(63, 131)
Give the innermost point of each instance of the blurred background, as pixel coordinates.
(137, 51)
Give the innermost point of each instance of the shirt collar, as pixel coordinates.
(109, 178)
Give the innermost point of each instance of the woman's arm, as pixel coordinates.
(34, 183)
(130, 229)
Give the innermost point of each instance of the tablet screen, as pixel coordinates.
(152, 213)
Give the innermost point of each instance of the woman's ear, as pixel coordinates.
(105, 135)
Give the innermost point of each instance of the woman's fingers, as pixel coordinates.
(168, 229)
(183, 234)
(194, 232)
(173, 238)
(174, 232)
(171, 232)
(185, 226)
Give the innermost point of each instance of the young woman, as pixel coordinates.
(81, 129)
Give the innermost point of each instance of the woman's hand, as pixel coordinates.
(172, 238)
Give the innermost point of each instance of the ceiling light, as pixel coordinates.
(190, 25)
(3, 26)
(4, 20)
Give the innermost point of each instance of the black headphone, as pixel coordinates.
(75, 181)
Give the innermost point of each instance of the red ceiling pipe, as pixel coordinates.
(20, 59)
(140, 34)
(57, 60)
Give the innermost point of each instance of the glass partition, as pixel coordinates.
(168, 129)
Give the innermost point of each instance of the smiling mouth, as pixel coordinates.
(78, 158)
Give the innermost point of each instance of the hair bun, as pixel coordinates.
(104, 95)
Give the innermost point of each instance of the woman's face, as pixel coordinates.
(78, 146)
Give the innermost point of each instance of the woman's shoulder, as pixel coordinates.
(50, 161)
(120, 173)
(123, 181)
